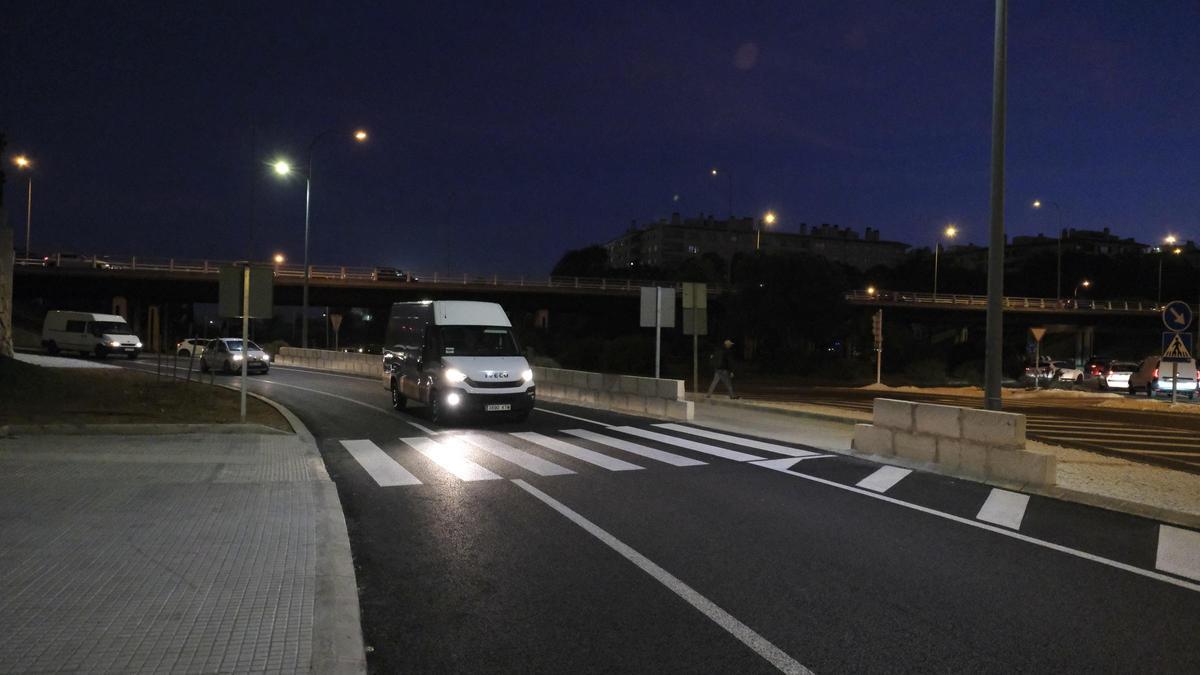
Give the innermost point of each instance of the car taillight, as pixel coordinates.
(1156, 373)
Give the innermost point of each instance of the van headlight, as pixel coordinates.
(114, 343)
(527, 376)
(138, 345)
(454, 375)
(237, 357)
(266, 358)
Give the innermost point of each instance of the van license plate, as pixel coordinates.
(498, 407)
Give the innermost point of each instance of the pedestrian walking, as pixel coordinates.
(724, 370)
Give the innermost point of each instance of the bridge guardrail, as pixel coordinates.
(342, 273)
(1010, 302)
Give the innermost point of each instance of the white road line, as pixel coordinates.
(884, 478)
(738, 440)
(635, 448)
(1124, 567)
(541, 467)
(574, 417)
(325, 393)
(761, 646)
(359, 378)
(378, 464)
(689, 445)
(582, 454)
(1004, 508)
(1178, 552)
(424, 428)
(450, 456)
(787, 462)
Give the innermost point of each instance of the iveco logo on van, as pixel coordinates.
(496, 374)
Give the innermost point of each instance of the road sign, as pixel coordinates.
(695, 308)
(666, 313)
(1177, 347)
(695, 295)
(262, 287)
(1037, 333)
(1177, 315)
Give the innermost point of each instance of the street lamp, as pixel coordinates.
(767, 219)
(284, 168)
(950, 232)
(279, 258)
(1037, 204)
(1169, 241)
(729, 176)
(1083, 284)
(24, 164)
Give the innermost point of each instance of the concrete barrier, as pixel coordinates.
(978, 444)
(622, 393)
(370, 365)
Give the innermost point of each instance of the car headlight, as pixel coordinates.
(527, 376)
(266, 358)
(138, 345)
(114, 343)
(454, 375)
(237, 357)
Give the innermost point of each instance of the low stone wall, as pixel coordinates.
(323, 359)
(622, 393)
(978, 444)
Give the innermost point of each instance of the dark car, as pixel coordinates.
(391, 274)
(1096, 366)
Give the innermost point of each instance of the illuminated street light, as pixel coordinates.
(279, 258)
(24, 164)
(950, 232)
(284, 168)
(1169, 240)
(1037, 204)
(729, 176)
(1083, 284)
(767, 219)
(871, 290)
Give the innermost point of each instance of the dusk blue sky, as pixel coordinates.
(506, 133)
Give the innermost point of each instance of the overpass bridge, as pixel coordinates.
(1012, 304)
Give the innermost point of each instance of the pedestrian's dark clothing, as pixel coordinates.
(725, 360)
(723, 372)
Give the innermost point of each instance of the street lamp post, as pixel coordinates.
(1082, 284)
(25, 165)
(283, 168)
(1037, 204)
(768, 219)
(1169, 241)
(950, 232)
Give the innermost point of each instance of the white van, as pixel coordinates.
(1156, 378)
(456, 357)
(88, 333)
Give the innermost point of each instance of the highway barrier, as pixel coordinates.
(621, 393)
(324, 359)
(977, 444)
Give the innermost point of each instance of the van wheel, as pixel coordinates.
(398, 400)
(52, 347)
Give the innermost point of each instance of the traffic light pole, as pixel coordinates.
(878, 321)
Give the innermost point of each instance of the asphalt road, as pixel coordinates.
(1170, 439)
(691, 553)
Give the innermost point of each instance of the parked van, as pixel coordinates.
(88, 333)
(456, 357)
(1157, 378)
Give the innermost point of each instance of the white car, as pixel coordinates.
(1065, 372)
(1156, 378)
(192, 347)
(1116, 375)
(226, 354)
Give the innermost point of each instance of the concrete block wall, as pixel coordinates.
(622, 393)
(370, 365)
(977, 444)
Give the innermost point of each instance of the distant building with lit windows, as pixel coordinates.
(667, 243)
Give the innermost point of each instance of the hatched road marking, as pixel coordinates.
(1178, 552)
(541, 467)
(884, 478)
(635, 448)
(1004, 508)
(385, 471)
(582, 454)
(689, 445)
(737, 440)
(450, 456)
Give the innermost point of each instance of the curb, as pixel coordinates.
(1170, 516)
(129, 429)
(813, 412)
(337, 626)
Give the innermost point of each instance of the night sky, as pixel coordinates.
(504, 133)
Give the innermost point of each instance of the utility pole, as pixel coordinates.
(994, 363)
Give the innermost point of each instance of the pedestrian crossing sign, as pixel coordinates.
(1177, 347)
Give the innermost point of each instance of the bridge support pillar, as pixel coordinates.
(1085, 344)
(154, 328)
(120, 306)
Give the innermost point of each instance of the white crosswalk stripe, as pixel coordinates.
(635, 448)
(689, 445)
(737, 440)
(1004, 508)
(542, 467)
(884, 478)
(384, 470)
(451, 456)
(1178, 552)
(571, 450)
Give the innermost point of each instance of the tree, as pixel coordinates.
(591, 261)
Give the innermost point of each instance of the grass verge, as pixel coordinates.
(35, 395)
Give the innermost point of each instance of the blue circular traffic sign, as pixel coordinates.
(1177, 315)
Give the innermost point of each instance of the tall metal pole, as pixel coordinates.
(245, 333)
(657, 330)
(28, 214)
(729, 175)
(304, 303)
(1058, 274)
(993, 371)
(936, 246)
(1161, 253)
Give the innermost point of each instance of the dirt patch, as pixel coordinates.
(34, 395)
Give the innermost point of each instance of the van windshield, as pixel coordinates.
(236, 345)
(477, 341)
(110, 327)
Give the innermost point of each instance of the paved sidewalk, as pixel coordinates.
(173, 553)
(1086, 477)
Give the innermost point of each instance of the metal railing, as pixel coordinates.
(183, 266)
(1010, 302)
